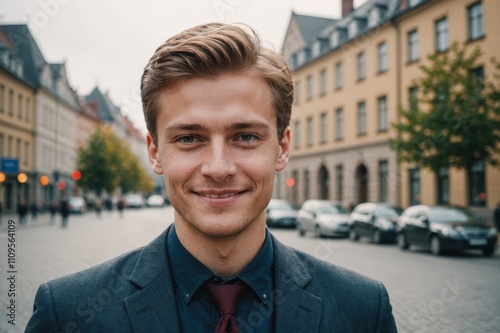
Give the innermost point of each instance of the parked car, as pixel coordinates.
(134, 201)
(77, 205)
(281, 213)
(376, 221)
(155, 200)
(445, 229)
(323, 218)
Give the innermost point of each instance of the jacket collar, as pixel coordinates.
(152, 308)
(296, 310)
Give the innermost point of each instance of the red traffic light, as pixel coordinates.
(76, 175)
(61, 185)
(290, 182)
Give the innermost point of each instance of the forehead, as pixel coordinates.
(222, 98)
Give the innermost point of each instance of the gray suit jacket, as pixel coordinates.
(134, 293)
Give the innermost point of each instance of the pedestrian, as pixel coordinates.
(34, 210)
(120, 205)
(64, 209)
(22, 211)
(496, 217)
(217, 106)
(53, 208)
(98, 206)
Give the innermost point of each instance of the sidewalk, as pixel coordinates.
(41, 220)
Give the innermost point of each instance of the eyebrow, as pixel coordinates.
(233, 126)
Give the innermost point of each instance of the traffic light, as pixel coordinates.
(22, 178)
(44, 180)
(76, 175)
(290, 182)
(61, 185)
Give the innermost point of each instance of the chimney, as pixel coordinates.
(404, 4)
(347, 7)
(93, 106)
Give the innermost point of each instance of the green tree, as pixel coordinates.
(107, 163)
(456, 121)
(94, 163)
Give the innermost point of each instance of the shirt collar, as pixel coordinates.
(189, 274)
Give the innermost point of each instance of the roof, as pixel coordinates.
(105, 107)
(310, 26)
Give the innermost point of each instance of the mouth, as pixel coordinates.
(222, 197)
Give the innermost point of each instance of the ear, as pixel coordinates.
(284, 150)
(154, 155)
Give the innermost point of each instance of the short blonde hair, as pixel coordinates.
(211, 50)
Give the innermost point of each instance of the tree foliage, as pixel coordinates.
(107, 163)
(457, 120)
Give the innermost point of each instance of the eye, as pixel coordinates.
(246, 137)
(187, 139)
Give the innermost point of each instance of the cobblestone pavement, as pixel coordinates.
(429, 294)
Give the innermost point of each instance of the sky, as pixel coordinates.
(108, 42)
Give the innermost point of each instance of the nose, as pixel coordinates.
(218, 160)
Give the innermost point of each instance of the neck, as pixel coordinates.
(225, 257)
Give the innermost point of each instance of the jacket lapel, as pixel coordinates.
(296, 309)
(152, 308)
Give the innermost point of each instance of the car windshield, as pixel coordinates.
(333, 209)
(282, 206)
(445, 215)
(386, 212)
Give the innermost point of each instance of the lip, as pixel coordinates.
(219, 198)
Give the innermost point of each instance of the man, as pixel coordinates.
(217, 106)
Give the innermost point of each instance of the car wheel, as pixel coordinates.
(436, 247)
(353, 235)
(403, 242)
(377, 236)
(488, 251)
(317, 232)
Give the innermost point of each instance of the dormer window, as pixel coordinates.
(339, 36)
(374, 17)
(316, 49)
(353, 29)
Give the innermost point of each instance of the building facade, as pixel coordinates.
(351, 76)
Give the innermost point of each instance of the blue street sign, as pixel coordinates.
(9, 165)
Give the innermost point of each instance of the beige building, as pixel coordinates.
(17, 124)
(351, 75)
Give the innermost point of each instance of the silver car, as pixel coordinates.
(323, 218)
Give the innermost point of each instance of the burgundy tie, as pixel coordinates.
(226, 296)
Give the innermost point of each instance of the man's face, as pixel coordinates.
(219, 149)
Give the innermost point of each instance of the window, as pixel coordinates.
(413, 96)
(309, 131)
(28, 101)
(382, 180)
(413, 46)
(10, 109)
(309, 87)
(18, 148)
(361, 118)
(382, 114)
(477, 184)
(20, 106)
(26, 152)
(339, 76)
(443, 186)
(322, 82)
(307, 184)
(414, 179)
(361, 66)
(442, 35)
(339, 170)
(339, 124)
(295, 175)
(9, 146)
(475, 15)
(382, 57)
(297, 134)
(297, 92)
(323, 134)
(1, 145)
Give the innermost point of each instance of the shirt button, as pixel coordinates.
(187, 295)
(264, 296)
(216, 279)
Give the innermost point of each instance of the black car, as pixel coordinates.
(374, 220)
(445, 229)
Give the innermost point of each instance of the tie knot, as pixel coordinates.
(225, 295)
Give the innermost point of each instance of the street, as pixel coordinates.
(458, 293)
